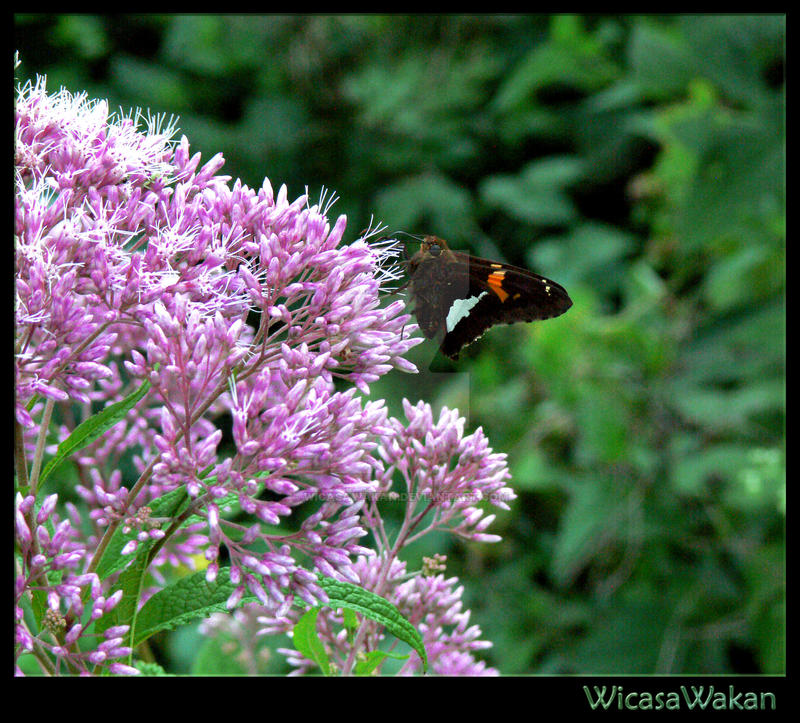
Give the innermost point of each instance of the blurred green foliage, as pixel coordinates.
(637, 160)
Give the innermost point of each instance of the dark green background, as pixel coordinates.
(638, 161)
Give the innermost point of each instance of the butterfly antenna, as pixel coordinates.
(416, 238)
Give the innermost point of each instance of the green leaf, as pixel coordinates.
(596, 506)
(93, 428)
(152, 670)
(732, 51)
(307, 641)
(538, 194)
(570, 57)
(348, 596)
(373, 659)
(661, 60)
(350, 620)
(189, 598)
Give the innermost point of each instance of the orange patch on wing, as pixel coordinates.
(495, 282)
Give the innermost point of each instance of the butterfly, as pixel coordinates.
(458, 297)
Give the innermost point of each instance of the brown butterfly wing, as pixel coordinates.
(459, 296)
(503, 294)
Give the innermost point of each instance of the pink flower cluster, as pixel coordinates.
(135, 263)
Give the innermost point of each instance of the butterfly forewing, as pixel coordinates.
(459, 296)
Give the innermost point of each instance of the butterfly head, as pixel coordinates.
(432, 246)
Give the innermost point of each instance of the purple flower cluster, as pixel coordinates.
(445, 471)
(439, 476)
(135, 263)
(433, 605)
(51, 572)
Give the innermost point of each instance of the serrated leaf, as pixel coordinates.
(93, 428)
(188, 599)
(349, 596)
(306, 640)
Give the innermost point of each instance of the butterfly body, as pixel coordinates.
(458, 296)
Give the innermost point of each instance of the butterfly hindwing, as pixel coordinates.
(459, 296)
